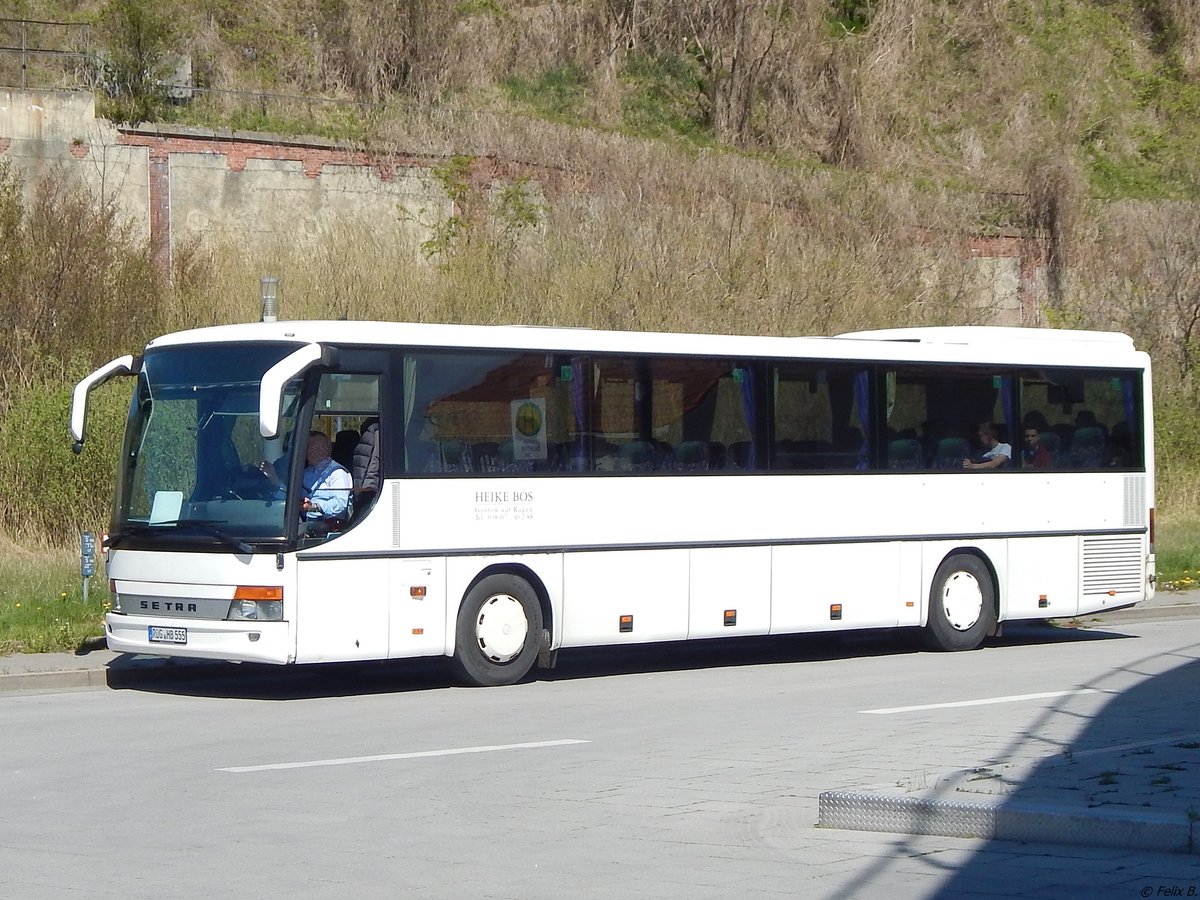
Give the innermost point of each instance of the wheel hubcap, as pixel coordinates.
(501, 628)
(962, 600)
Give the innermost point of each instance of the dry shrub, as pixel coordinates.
(1139, 272)
(77, 287)
(1136, 269)
(75, 282)
(1183, 20)
(735, 247)
(1054, 190)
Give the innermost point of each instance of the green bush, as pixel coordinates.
(663, 97)
(138, 34)
(1177, 452)
(554, 94)
(52, 494)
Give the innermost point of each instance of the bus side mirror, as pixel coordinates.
(270, 394)
(122, 365)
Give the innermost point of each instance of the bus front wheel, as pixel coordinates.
(498, 632)
(962, 604)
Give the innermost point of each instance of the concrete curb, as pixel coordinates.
(1010, 821)
(53, 681)
(109, 676)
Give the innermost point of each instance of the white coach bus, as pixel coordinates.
(550, 488)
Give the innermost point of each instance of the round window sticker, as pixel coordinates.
(528, 420)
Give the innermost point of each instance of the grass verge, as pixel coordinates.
(1177, 554)
(41, 601)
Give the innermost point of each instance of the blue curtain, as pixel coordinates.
(862, 399)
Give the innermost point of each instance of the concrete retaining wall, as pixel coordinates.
(178, 186)
(184, 184)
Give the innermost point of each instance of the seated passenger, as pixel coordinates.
(326, 488)
(364, 467)
(1034, 452)
(995, 454)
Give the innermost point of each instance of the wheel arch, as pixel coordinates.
(965, 550)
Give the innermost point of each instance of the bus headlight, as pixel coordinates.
(256, 610)
(270, 610)
(258, 604)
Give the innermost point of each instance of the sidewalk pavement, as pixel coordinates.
(1139, 794)
(1137, 789)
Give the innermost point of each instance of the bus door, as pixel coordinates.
(342, 576)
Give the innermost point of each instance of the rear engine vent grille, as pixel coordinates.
(1113, 564)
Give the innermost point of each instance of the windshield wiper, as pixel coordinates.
(130, 531)
(209, 527)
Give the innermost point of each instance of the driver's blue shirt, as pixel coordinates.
(328, 486)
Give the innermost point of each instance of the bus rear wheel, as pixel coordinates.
(962, 604)
(498, 632)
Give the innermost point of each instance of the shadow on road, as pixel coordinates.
(262, 682)
(1138, 756)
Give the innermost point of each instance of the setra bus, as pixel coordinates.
(547, 488)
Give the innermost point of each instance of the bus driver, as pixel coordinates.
(326, 487)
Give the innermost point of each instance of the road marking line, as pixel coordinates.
(349, 760)
(1015, 698)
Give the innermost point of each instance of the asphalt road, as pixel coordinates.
(680, 771)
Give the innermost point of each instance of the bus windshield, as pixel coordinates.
(193, 468)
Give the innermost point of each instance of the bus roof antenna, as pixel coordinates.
(270, 298)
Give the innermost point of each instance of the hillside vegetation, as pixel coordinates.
(792, 166)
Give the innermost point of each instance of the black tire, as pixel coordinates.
(962, 604)
(499, 631)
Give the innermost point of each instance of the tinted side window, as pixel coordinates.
(485, 412)
(933, 418)
(818, 425)
(1081, 420)
(670, 414)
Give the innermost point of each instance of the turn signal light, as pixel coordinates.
(250, 592)
(417, 591)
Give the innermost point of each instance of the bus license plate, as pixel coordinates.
(161, 635)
